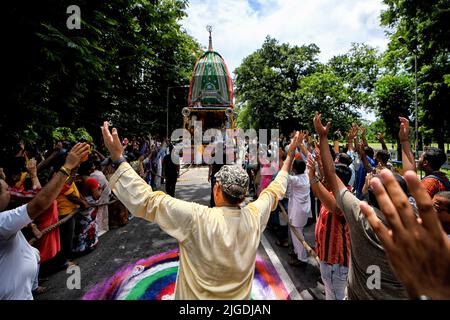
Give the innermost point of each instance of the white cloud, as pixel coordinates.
(239, 28)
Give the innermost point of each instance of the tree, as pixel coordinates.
(359, 69)
(117, 66)
(266, 78)
(423, 24)
(280, 86)
(393, 100)
(324, 92)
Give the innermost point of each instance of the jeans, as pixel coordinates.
(334, 277)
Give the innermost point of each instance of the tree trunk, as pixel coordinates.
(440, 139)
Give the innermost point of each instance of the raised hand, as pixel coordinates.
(320, 129)
(76, 154)
(363, 131)
(309, 139)
(294, 143)
(418, 250)
(301, 137)
(311, 165)
(403, 134)
(352, 133)
(31, 167)
(380, 137)
(112, 141)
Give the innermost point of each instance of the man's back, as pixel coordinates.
(217, 260)
(370, 275)
(435, 183)
(217, 245)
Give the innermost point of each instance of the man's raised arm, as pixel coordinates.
(45, 197)
(174, 216)
(291, 153)
(407, 155)
(327, 161)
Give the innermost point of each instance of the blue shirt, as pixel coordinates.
(362, 172)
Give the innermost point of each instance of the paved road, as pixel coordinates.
(140, 239)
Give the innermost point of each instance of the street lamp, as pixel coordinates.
(414, 51)
(167, 107)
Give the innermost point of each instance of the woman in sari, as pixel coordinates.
(86, 228)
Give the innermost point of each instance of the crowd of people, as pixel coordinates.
(346, 246)
(82, 210)
(372, 215)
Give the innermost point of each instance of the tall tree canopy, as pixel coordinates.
(266, 78)
(423, 24)
(117, 66)
(280, 86)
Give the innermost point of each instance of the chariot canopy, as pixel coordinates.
(211, 85)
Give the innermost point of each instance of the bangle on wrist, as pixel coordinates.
(65, 171)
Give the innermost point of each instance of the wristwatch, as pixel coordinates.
(315, 180)
(116, 163)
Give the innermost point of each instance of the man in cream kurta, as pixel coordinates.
(217, 245)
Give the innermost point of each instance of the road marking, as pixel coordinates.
(294, 294)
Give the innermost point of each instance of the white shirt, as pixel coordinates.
(299, 199)
(18, 260)
(104, 186)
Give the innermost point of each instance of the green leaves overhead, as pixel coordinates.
(423, 25)
(117, 66)
(280, 86)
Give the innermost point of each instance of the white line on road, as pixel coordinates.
(293, 292)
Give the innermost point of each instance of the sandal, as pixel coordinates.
(297, 263)
(69, 263)
(42, 280)
(283, 244)
(40, 290)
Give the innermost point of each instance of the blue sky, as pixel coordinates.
(240, 26)
(255, 5)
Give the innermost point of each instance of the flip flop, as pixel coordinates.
(42, 280)
(283, 245)
(40, 290)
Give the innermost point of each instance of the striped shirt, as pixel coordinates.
(434, 185)
(332, 237)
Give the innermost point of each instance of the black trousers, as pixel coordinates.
(66, 234)
(211, 201)
(170, 186)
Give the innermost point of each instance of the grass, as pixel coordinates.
(377, 146)
(393, 146)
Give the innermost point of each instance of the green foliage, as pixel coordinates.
(116, 67)
(281, 86)
(359, 69)
(63, 134)
(325, 92)
(82, 135)
(374, 128)
(265, 80)
(393, 100)
(423, 24)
